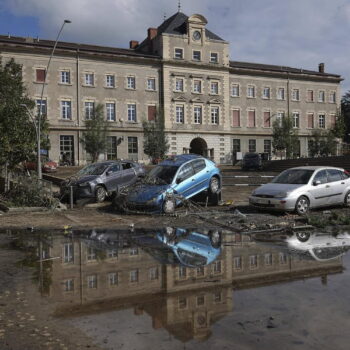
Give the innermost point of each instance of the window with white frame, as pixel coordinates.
(66, 110)
(235, 90)
(322, 121)
(214, 57)
(131, 83)
(68, 285)
(180, 114)
(112, 253)
(216, 266)
(214, 115)
(332, 97)
(280, 93)
(178, 53)
(68, 253)
(91, 254)
(110, 81)
(153, 273)
(113, 279)
(279, 117)
(251, 91)
(89, 110)
(197, 86)
(134, 276)
(151, 84)
(295, 95)
(268, 259)
(41, 107)
(196, 55)
(110, 111)
(283, 258)
(133, 251)
(214, 87)
(237, 263)
(266, 92)
(179, 84)
(253, 261)
(252, 145)
(133, 147)
(267, 146)
(200, 271)
(65, 77)
(89, 79)
(197, 114)
(321, 96)
(92, 281)
(132, 112)
(296, 118)
(111, 149)
(182, 272)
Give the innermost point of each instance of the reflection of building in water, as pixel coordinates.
(185, 301)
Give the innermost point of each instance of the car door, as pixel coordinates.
(338, 185)
(321, 190)
(202, 175)
(113, 177)
(185, 180)
(129, 173)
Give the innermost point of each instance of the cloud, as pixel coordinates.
(297, 33)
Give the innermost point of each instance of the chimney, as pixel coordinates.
(321, 68)
(133, 44)
(152, 33)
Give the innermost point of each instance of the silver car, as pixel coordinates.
(299, 189)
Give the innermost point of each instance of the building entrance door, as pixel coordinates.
(67, 149)
(199, 146)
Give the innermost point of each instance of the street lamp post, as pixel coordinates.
(38, 126)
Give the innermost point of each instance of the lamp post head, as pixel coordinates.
(67, 21)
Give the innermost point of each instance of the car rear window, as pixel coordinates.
(294, 176)
(334, 175)
(198, 165)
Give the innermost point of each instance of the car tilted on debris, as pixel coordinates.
(171, 183)
(301, 188)
(102, 179)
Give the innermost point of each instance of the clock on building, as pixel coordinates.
(196, 35)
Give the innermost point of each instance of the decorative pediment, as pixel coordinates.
(196, 100)
(214, 101)
(197, 19)
(179, 99)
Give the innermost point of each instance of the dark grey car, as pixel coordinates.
(102, 179)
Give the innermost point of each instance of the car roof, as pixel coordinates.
(316, 167)
(180, 159)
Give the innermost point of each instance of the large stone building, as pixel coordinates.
(212, 106)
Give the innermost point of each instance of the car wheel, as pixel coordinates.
(214, 185)
(100, 194)
(215, 238)
(302, 205)
(169, 205)
(347, 199)
(303, 236)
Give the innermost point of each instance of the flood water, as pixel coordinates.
(190, 289)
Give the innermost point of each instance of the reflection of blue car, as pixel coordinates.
(165, 187)
(187, 247)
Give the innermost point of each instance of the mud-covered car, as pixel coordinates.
(102, 179)
(172, 182)
(47, 165)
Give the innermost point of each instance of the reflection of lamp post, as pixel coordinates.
(41, 101)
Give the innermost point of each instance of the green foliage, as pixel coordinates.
(285, 137)
(345, 112)
(322, 143)
(155, 140)
(18, 138)
(338, 130)
(94, 138)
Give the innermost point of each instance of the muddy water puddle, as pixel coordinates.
(174, 288)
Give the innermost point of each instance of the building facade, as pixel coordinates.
(212, 106)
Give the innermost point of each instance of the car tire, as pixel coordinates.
(347, 199)
(100, 194)
(169, 205)
(215, 238)
(214, 191)
(303, 236)
(302, 205)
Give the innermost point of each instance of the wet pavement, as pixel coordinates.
(174, 288)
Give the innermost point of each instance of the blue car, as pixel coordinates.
(171, 182)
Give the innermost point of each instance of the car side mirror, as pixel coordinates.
(316, 183)
(179, 180)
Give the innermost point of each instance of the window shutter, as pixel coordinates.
(236, 118)
(40, 75)
(251, 119)
(267, 120)
(310, 120)
(151, 113)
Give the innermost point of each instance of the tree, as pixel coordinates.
(345, 112)
(94, 138)
(285, 136)
(322, 143)
(155, 140)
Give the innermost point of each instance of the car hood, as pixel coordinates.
(81, 179)
(144, 193)
(275, 188)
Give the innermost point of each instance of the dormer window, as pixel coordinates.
(214, 57)
(196, 55)
(179, 54)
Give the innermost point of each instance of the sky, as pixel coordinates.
(295, 33)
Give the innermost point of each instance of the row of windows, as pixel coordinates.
(266, 93)
(89, 80)
(197, 114)
(200, 300)
(215, 268)
(197, 86)
(236, 146)
(196, 55)
(113, 279)
(254, 260)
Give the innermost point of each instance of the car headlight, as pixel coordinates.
(281, 194)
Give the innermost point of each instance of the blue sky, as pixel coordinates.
(296, 33)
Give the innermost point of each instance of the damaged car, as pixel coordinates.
(171, 183)
(102, 179)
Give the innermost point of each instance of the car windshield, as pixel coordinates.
(162, 173)
(93, 169)
(294, 176)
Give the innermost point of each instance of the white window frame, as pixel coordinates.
(131, 82)
(193, 55)
(178, 116)
(321, 98)
(66, 109)
(178, 50)
(89, 108)
(296, 120)
(68, 253)
(113, 279)
(194, 89)
(266, 93)
(332, 97)
(89, 79)
(110, 83)
(237, 86)
(132, 112)
(211, 60)
(151, 86)
(295, 95)
(65, 76)
(197, 114)
(321, 124)
(249, 89)
(214, 115)
(214, 83)
(281, 93)
(92, 281)
(279, 116)
(111, 107)
(182, 84)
